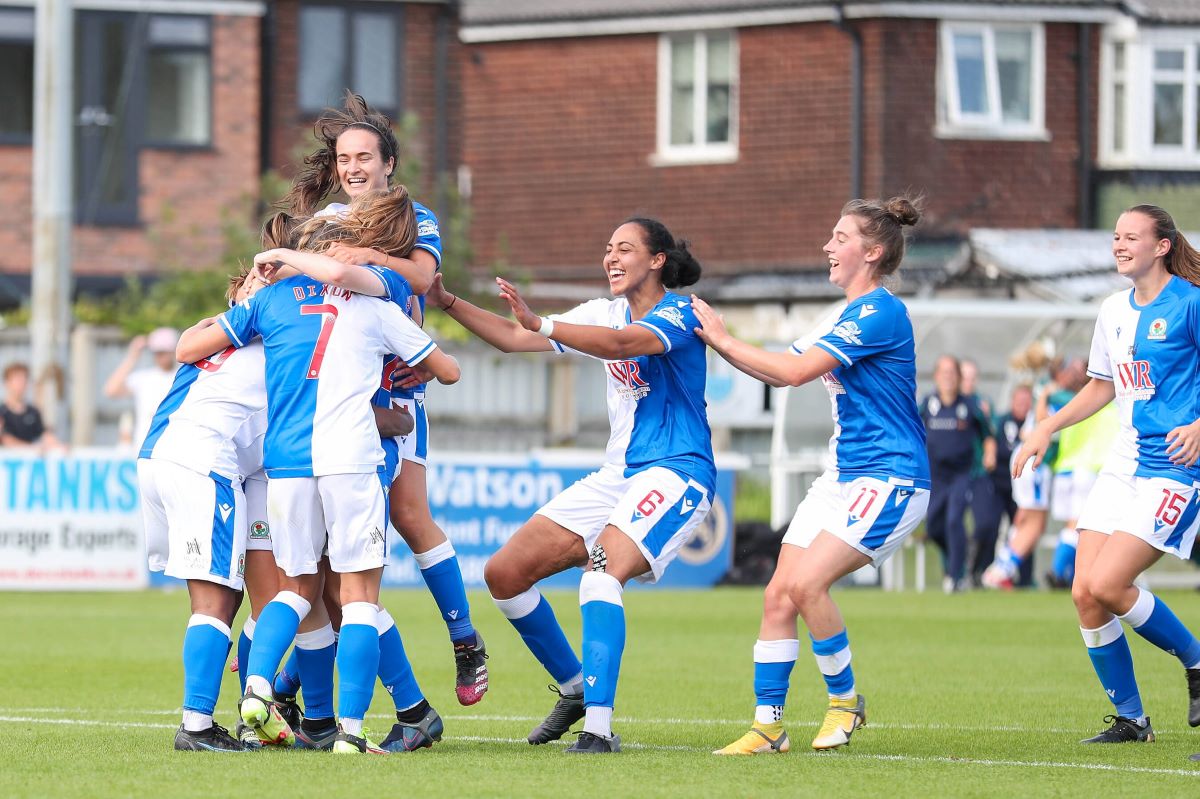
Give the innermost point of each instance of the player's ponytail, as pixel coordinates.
(883, 223)
(1182, 259)
(681, 267)
(279, 231)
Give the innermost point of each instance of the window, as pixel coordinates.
(354, 46)
(178, 81)
(1150, 103)
(991, 80)
(697, 97)
(16, 65)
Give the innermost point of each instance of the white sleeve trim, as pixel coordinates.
(237, 342)
(661, 336)
(429, 249)
(1099, 376)
(834, 351)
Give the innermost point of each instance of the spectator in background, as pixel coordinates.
(21, 424)
(958, 436)
(1008, 440)
(986, 507)
(146, 386)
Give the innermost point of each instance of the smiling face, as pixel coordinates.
(851, 257)
(1136, 249)
(360, 166)
(628, 262)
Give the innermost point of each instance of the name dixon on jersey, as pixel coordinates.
(303, 293)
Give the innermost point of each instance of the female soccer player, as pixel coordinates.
(859, 511)
(629, 518)
(359, 153)
(324, 354)
(1145, 501)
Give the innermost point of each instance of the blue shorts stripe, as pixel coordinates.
(224, 518)
(1186, 520)
(672, 521)
(887, 521)
(421, 431)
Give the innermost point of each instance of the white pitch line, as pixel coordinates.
(962, 761)
(929, 726)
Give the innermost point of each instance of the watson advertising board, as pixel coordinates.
(75, 522)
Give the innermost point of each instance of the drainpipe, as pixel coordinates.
(1084, 91)
(443, 27)
(856, 101)
(266, 50)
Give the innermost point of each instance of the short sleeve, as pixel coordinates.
(241, 321)
(592, 312)
(429, 235)
(403, 337)
(397, 287)
(822, 328)
(863, 329)
(1099, 360)
(673, 321)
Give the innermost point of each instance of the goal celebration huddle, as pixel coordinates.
(297, 430)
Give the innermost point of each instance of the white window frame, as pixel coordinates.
(669, 154)
(952, 123)
(1139, 78)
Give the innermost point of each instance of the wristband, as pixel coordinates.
(547, 328)
(450, 304)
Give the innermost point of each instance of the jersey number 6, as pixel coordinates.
(328, 318)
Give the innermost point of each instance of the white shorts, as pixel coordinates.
(656, 508)
(1071, 491)
(1162, 512)
(195, 523)
(414, 446)
(873, 516)
(258, 537)
(343, 514)
(1031, 491)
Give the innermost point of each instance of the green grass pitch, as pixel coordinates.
(969, 695)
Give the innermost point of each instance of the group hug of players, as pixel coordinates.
(296, 429)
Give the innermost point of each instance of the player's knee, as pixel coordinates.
(1106, 592)
(777, 604)
(504, 581)
(1081, 595)
(805, 594)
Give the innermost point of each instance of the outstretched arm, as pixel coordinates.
(775, 368)
(601, 342)
(115, 385)
(324, 269)
(503, 334)
(1090, 399)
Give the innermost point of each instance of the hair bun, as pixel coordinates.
(903, 210)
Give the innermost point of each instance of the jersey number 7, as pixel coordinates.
(328, 319)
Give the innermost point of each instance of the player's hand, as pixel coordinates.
(1034, 446)
(712, 330)
(528, 319)
(1183, 444)
(406, 377)
(437, 293)
(356, 255)
(267, 265)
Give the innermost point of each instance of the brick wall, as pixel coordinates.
(982, 182)
(561, 132)
(185, 195)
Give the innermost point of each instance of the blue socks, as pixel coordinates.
(243, 651)
(534, 619)
(395, 672)
(1109, 650)
(773, 662)
(314, 658)
(603, 644)
(357, 663)
(277, 625)
(833, 659)
(1153, 620)
(287, 681)
(205, 647)
(440, 570)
